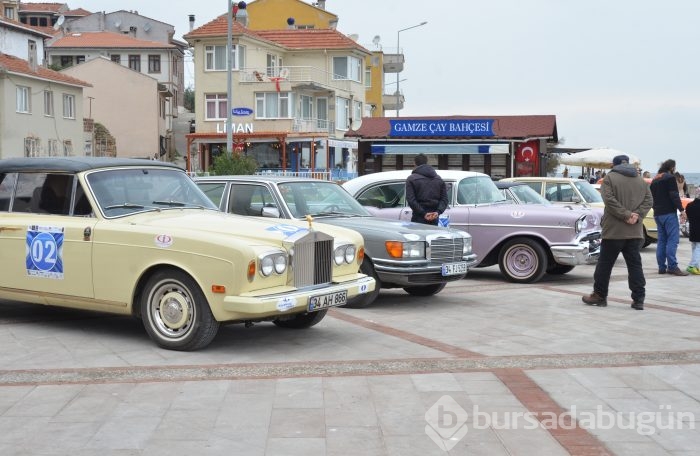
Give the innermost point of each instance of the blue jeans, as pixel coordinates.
(667, 243)
(695, 259)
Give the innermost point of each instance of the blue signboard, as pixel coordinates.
(241, 111)
(425, 128)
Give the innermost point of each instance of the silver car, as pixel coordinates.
(525, 240)
(421, 259)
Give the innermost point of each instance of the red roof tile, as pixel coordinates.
(12, 64)
(77, 12)
(505, 127)
(292, 39)
(41, 7)
(105, 40)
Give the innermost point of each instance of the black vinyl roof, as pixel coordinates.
(75, 164)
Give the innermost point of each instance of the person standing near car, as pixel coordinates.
(692, 211)
(627, 200)
(667, 203)
(426, 192)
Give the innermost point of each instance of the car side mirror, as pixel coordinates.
(576, 199)
(271, 212)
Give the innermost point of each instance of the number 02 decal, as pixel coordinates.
(44, 252)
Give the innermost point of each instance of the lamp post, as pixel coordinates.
(398, 50)
(232, 10)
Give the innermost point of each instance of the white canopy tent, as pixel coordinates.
(600, 158)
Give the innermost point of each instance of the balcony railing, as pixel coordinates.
(389, 100)
(313, 125)
(393, 63)
(315, 78)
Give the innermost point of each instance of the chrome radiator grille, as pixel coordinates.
(445, 250)
(313, 260)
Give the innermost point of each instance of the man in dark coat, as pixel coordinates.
(667, 203)
(627, 200)
(426, 192)
(692, 212)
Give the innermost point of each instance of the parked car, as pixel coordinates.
(526, 241)
(563, 190)
(138, 237)
(421, 259)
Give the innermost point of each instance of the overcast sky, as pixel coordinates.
(623, 74)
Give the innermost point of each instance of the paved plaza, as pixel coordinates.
(483, 368)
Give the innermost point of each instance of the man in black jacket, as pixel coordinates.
(667, 202)
(426, 192)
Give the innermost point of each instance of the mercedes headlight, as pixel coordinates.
(399, 249)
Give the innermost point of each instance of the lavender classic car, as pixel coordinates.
(421, 259)
(526, 241)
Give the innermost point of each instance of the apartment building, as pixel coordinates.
(41, 110)
(295, 92)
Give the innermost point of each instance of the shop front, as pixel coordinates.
(500, 146)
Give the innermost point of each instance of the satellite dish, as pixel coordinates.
(118, 24)
(146, 26)
(59, 22)
(376, 41)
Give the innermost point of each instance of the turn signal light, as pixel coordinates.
(251, 270)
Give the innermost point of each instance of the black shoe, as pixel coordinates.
(662, 271)
(594, 299)
(638, 305)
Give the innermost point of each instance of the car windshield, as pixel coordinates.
(590, 194)
(319, 199)
(125, 191)
(527, 195)
(478, 190)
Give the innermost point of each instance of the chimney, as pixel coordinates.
(191, 22)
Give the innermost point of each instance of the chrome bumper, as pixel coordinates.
(417, 272)
(585, 252)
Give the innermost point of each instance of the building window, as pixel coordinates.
(342, 113)
(67, 147)
(368, 77)
(307, 107)
(216, 106)
(347, 68)
(79, 59)
(135, 62)
(9, 12)
(272, 105)
(154, 64)
(68, 106)
(116, 58)
(274, 63)
(215, 57)
(31, 146)
(31, 50)
(48, 103)
(356, 113)
(53, 147)
(66, 61)
(24, 100)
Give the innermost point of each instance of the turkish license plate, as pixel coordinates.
(449, 269)
(321, 302)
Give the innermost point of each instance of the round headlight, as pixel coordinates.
(280, 264)
(350, 254)
(266, 266)
(339, 255)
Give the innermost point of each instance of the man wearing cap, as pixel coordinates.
(627, 200)
(667, 204)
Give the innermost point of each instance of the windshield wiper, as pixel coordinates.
(170, 203)
(332, 213)
(125, 206)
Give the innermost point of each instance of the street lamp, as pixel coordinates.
(229, 69)
(398, 50)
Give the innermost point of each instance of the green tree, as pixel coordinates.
(189, 98)
(233, 164)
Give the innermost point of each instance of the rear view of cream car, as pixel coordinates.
(138, 237)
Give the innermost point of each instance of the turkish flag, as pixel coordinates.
(527, 158)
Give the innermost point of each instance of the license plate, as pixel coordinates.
(449, 269)
(321, 302)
